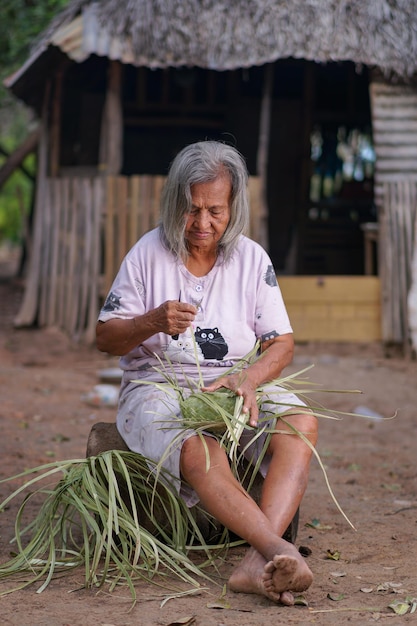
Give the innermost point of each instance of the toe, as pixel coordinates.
(287, 598)
(269, 567)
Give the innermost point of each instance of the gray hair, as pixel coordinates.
(203, 162)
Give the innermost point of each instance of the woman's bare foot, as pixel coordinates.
(248, 577)
(286, 571)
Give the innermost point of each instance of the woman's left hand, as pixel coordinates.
(242, 385)
(276, 354)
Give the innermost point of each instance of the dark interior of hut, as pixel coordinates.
(320, 154)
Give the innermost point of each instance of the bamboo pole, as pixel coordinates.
(93, 302)
(109, 251)
(44, 278)
(134, 210)
(72, 291)
(122, 210)
(63, 248)
(145, 207)
(86, 251)
(55, 252)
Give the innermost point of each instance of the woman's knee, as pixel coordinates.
(305, 423)
(197, 454)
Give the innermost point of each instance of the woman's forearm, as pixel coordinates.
(119, 336)
(275, 357)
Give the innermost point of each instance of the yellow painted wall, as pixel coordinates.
(333, 308)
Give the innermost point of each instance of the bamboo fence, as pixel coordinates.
(87, 225)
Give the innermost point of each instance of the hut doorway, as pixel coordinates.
(321, 165)
(321, 201)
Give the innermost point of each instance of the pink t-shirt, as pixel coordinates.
(238, 303)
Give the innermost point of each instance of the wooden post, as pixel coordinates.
(29, 307)
(55, 133)
(111, 139)
(262, 156)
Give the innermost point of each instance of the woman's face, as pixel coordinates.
(209, 215)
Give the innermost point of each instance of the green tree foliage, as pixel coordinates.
(21, 21)
(16, 193)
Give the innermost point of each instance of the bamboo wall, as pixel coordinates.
(398, 224)
(394, 128)
(132, 208)
(63, 291)
(394, 124)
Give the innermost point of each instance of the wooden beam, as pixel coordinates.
(263, 151)
(22, 168)
(18, 156)
(111, 139)
(55, 130)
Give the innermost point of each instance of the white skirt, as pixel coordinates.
(149, 421)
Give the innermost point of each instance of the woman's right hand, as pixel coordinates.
(119, 336)
(173, 317)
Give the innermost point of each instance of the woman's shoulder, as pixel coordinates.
(249, 247)
(148, 242)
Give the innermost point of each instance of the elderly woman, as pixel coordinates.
(198, 270)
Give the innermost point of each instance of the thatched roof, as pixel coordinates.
(229, 34)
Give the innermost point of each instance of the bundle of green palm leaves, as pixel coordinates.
(210, 410)
(111, 514)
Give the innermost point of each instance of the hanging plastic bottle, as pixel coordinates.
(328, 185)
(315, 186)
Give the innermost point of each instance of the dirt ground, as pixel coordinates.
(371, 465)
